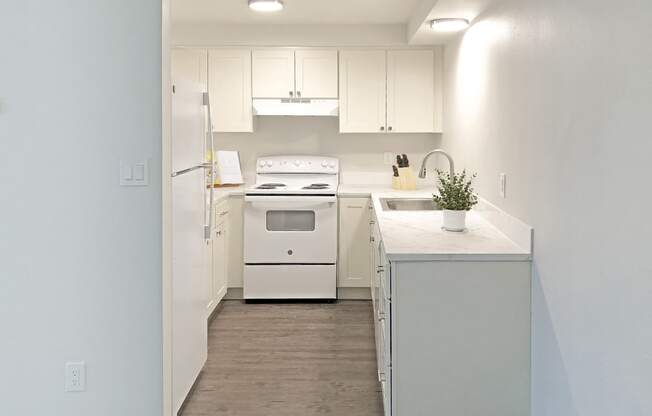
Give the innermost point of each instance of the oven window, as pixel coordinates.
(290, 221)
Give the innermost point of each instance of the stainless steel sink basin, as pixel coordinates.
(408, 204)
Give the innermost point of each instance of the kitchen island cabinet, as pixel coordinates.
(452, 327)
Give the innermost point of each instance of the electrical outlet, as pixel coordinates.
(503, 185)
(76, 376)
(388, 158)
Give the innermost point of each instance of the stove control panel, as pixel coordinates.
(297, 164)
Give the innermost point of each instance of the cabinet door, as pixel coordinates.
(411, 91)
(235, 242)
(273, 73)
(219, 263)
(354, 243)
(316, 73)
(362, 91)
(190, 64)
(208, 278)
(229, 84)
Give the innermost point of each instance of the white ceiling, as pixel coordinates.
(296, 12)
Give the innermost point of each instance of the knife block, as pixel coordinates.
(407, 180)
(396, 182)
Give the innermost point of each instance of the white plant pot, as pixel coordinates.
(454, 220)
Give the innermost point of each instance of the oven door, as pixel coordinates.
(290, 229)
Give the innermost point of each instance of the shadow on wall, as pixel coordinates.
(320, 135)
(549, 374)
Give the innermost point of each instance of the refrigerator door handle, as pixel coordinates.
(209, 227)
(201, 166)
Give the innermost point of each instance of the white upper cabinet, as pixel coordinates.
(273, 73)
(316, 73)
(286, 73)
(229, 86)
(410, 91)
(362, 91)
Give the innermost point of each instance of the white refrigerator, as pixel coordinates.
(191, 222)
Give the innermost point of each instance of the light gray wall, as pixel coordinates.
(80, 257)
(361, 155)
(558, 95)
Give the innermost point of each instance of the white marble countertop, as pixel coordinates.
(418, 235)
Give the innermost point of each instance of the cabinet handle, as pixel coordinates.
(389, 128)
(291, 93)
(372, 222)
(223, 213)
(354, 206)
(382, 128)
(379, 269)
(218, 233)
(298, 93)
(371, 239)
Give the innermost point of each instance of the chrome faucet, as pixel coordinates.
(422, 171)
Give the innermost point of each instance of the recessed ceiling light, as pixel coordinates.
(266, 5)
(449, 24)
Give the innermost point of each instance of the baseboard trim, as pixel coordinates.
(353, 293)
(344, 293)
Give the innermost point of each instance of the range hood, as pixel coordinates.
(296, 107)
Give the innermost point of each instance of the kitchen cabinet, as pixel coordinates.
(353, 260)
(229, 86)
(273, 73)
(410, 91)
(219, 257)
(362, 91)
(452, 337)
(288, 73)
(316, 73)
(394, 91)
(235, 243)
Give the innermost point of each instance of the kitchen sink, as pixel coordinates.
(408, 204)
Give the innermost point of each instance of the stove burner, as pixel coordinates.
(317, 186)
(270, 185)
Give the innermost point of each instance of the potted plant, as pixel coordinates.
(455, 198)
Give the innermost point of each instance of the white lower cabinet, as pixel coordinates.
(353, 259)
(452, 337)
(217, 278)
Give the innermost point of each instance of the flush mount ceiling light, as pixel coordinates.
(449, 24)
(266, 5)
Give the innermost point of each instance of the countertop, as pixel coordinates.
(418, 235)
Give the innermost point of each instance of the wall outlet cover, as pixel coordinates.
(75, 376)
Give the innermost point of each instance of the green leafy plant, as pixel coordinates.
(455, 192)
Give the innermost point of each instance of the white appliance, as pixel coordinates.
(290, 229)
(191, 225)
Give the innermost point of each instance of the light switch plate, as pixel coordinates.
(136, 174)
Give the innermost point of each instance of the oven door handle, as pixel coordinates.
(303, 200)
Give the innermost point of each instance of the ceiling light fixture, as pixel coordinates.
(266, 5)
(449, 24)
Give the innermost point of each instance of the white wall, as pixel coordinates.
(558, 95)
(80, 257)
(361, 155)
(214, 34)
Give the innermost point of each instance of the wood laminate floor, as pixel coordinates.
(289, 360)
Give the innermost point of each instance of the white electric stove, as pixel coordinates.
(290, 229)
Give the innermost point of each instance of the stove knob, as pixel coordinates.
(261, 163)
(269, 163)
(331, 165)
(297, 162)
(324, 163)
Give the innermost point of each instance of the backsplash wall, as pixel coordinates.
(361, 155)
